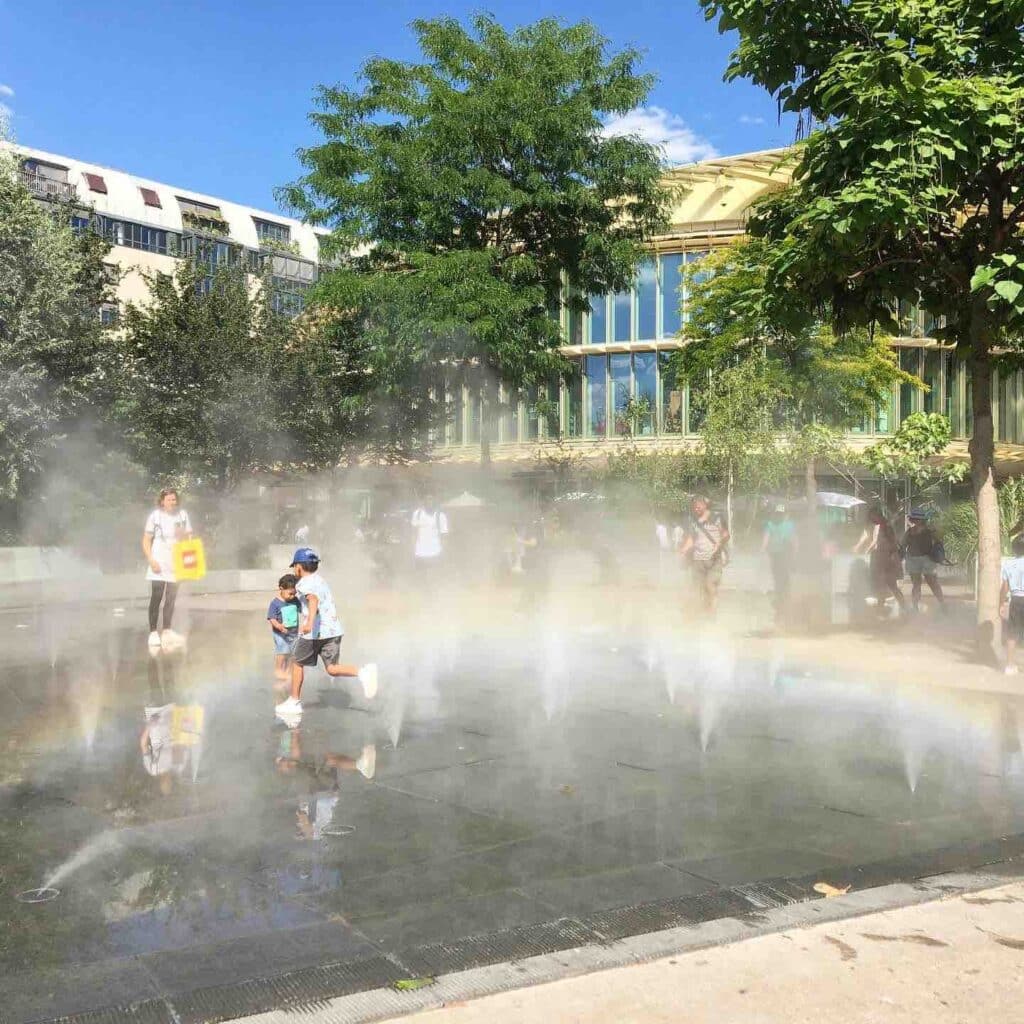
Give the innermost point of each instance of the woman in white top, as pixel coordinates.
(166, 525)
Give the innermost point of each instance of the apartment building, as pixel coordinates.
(151, 226)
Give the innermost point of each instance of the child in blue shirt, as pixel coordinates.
(283, 616)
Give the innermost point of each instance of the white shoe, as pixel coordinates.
(1011, 670)
(168, 638)
(368, 677)
(367, 762)
(290, 706)
(154, 639)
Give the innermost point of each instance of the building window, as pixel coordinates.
(268, 231)
(694, 276)
(622, 316)
(910, 360)
(80, 223)
(150, 197)
(287, 296)
(597, 396)
(46, 181)
(95, 182)
(671, 396)
(109, 314)
(203, 217)
(621, 389)
(598, 319)
(139, 236)
(645, 377)
(647, 300)
(670, 268)
(574, 400)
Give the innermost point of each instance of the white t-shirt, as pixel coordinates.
(1013, 575)
(166, 529)
(661, 532)
(430, 528)
(326, 624)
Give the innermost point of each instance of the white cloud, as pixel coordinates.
(6, 90)
(751, 119)
(679, 143)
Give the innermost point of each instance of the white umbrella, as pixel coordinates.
(832, 499)
(465, 500)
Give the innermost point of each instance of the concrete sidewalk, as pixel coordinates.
(955, 961)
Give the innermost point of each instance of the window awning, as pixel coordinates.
(150, 198)
(95, 182)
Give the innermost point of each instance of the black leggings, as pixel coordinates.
(161, 591)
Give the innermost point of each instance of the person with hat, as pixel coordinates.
(320, 633)
(922, 552)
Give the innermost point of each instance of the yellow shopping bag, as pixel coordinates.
(189, 560)
(187, 724)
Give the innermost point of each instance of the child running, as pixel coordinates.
(283, 616)
(320, 633)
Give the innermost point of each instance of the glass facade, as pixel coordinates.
(598, 333)
(574, 401)
(645, 376)
(597, 396)
(621, 381)
(647, 301)
(670, 280)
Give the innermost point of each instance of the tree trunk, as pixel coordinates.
(811, 486)
(982, 449)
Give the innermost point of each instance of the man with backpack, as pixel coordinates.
(706, 544)
(922, 552)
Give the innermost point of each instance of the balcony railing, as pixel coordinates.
(48, 188)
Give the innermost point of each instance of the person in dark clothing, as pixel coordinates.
(880, 545)
(920, 548)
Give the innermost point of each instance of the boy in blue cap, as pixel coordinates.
(320, 633)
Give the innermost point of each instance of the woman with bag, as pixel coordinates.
(165, 526)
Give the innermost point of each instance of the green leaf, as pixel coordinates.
(1008, 290)
(412, 984)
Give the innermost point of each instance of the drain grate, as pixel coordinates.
(305, 989)
(153, 1011)
(765, 895)
(498, 947)
(672, 913)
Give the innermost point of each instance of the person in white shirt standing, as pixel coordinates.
(430, 525)
(166, 525)
(1011, 599)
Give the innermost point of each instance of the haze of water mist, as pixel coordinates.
(551, 641)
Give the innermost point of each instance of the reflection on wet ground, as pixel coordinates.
(196, 840)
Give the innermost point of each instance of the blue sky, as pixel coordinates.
(214, 95)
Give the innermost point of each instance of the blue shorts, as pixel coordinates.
(282, 644)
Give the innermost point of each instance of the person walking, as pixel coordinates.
(1011, 601)
(705, 543)
(430, 525)
(165, 526)
(879, 543)
(779, 542)
(922, 551)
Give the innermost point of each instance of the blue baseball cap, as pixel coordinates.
(305, 555)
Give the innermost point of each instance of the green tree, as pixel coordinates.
(212, 385)
(466, 188)
(812, 380)
(52, 283)
(912, 188)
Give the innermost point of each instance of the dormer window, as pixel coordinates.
(95, 182)
(150, 198)
(269, 232)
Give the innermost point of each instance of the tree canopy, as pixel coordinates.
(52, 284)
(467, 188)
(912, 185)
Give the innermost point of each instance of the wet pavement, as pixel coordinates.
(532, 774)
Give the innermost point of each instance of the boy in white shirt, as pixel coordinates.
(320, 633)
(430, 524)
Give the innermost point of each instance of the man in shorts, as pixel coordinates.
(706, 543)
(320, 633)
(919, 548)
(1011, 599)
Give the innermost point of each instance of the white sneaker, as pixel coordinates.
(154, 639)
(368, 677)
(290, 706)
(168, 638)
(1011, 670)
(367, 762)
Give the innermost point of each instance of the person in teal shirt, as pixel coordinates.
(283, 616)
(779, 541)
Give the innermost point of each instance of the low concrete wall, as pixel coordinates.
(36, 576)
